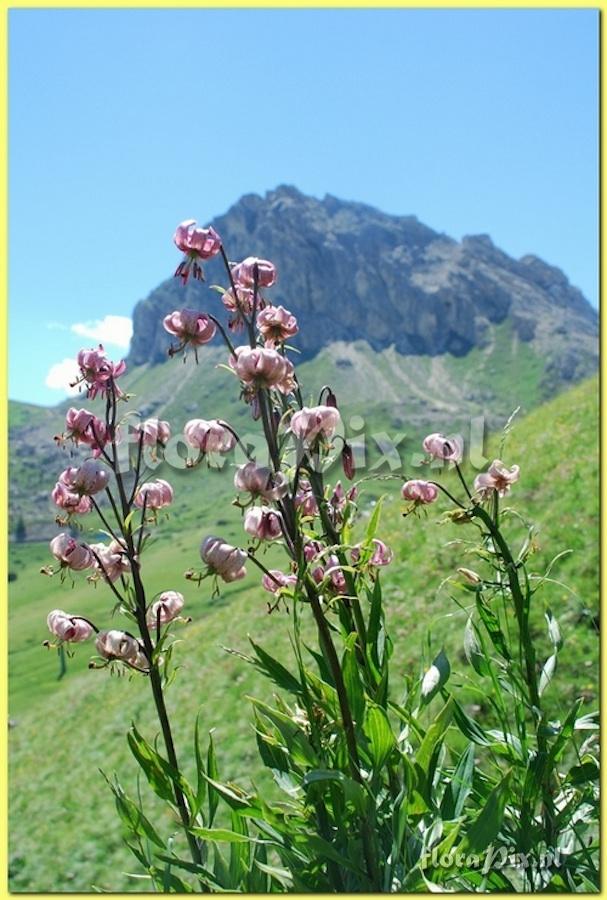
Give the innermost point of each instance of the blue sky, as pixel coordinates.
(124, 122)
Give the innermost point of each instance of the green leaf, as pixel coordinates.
(487, 824)
(211, 776)
(352, 791)
(473, 649)
(129, 519)
(373, 523)
(434, 735)
(240, 851)
(323, 668)
(282, 876)
(160, 774)
(295, 740)
(459, 786)
(325, 850)
(234, 797)
(220, 870)
(586, 772)
(352, 680)
(275, 670)
(381, 738)
(491, 623)
(195, 868)
(201, 785)
(222, 835)
(173, 884)
(376, 633)
(469, 727)
(436, 677)
(132, 816)
(273, 754)
(323, 775)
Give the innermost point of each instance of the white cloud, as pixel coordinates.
(61, 374)
(114, 330)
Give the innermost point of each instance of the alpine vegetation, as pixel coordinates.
(382, 782)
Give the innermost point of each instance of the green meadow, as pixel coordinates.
(64, 833)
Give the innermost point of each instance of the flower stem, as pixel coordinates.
(521, 608)
(140, 614)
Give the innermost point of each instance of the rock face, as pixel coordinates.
(350, 272)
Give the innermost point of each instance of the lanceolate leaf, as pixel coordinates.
(381, 738)
(487, 824)
(222, 835)
(201, 785)
(161, 776)
(275, 670)
(469, 727)
(353, 682)
(132, 816)
(433, 735)
(373, 521)
(473, 649)
(211, 777)
(460, 786)
(491, 623)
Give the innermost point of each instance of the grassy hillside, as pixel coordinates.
(388, 390)
(64, 833)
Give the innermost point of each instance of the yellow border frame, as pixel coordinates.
(600, 6)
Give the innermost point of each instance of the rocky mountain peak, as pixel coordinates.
(351, 272)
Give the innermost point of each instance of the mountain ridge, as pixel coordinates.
(351, 272)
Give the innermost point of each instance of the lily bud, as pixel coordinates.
(331, 399)
(347, 461)
(154, 494)
(469, 575)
